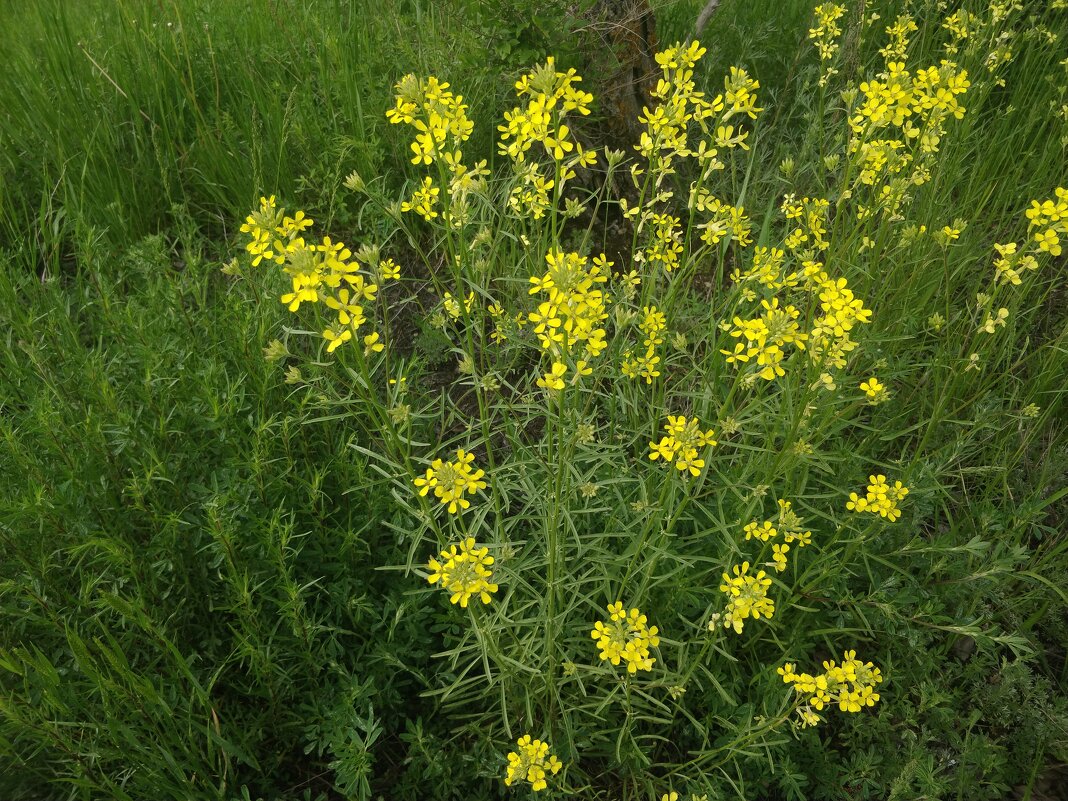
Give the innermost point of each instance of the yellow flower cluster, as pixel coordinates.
(667, 137)
(627, 637)
(269, 236)
(439, 118)
(895, 97)
(810, 229)
(918, 107)
(725, 219)
(457, 307)
(552, 95)
(665, 246)
(764, 337)
(829, 340)
(960, 25)
(568, 322)
(747, 597)
(463, 570)
(1011, 262)
(1001, 50)
(882, 159)
(789, 525)
(667, 126)
(881, 498)
(1049, 221)
(739, 91)
(424, 200)
(765, 270)
(994, 321)
(653, 325)
(323, 272)
(450, 480)
(531, 763)
(825, 36)
(898, 38)
(850, 685)
(683, 444)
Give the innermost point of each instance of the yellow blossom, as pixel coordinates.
(554, 379)
(531, 763)
(683, 444)
(851, 685)
(626, 637)
(450, 480)
(747, 596)
(874, 389)
(881, 498)
(463, 570)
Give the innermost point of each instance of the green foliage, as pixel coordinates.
(181, 595)
(114, 113)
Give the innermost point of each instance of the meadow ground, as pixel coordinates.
(730, 465)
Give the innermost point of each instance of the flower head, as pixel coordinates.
(850, 685)
(531, 762)
(881, 498)
(626, 637)
(683, 444)
(463, 570)
(748, 596)
(450, 480)
(874, 389)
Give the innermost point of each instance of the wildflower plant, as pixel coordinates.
(569, 362)
(349, 508)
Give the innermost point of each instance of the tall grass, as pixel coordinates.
(115, 114)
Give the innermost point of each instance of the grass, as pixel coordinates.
(211, 585)
(117, 115)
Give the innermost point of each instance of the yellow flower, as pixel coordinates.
(463, 570)
(626, 637)
(874, 389)
(554, 379)
(791, 526)
(851, 685)
(747, 596)
(1049, 242)
(424, 200)
(450, 480)
(531, 763)
(991, 324)
(262, 226)
(881, 498)
(827, 31)
(456, 307)
(762, 532)
(336, 339)
(683, 444)
(826, 381)
(779, 556)
(371, 344)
